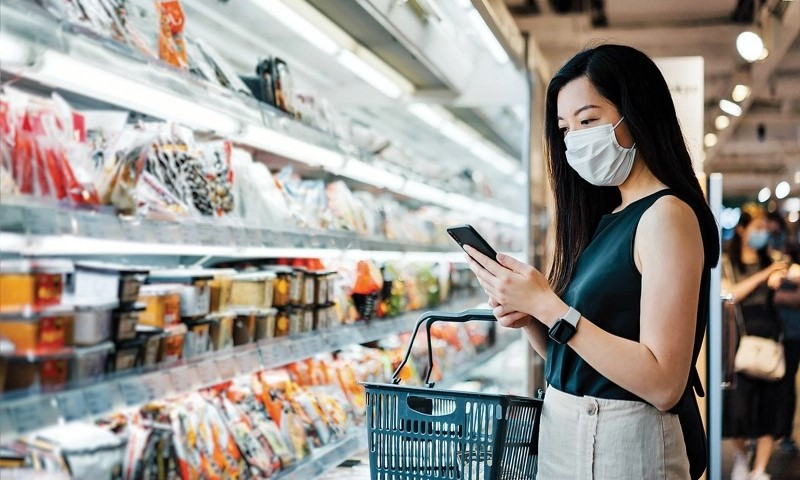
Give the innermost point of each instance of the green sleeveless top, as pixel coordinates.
(606, 288)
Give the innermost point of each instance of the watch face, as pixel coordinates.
(562, 331)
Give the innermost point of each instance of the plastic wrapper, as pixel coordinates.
(258, 198)
(171, 42)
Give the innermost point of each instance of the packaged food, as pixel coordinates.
(310, 288)
(244, 327)
(295, 320)
(198, 337)
(90, 362)
(172, 344)
(128, 354)
(265, 323)
(322, 281)
(220, 287)
(307, 322)
(282, 322)
(150, 349)
(365, 291)
(171, 43)
(125, 320)
(92, 323)
(297, 286)
(6, 349)
(32, 331)
(253, 289)
(90, 451)
(195, 292)
(108, 281)
(283, 286)
(163, 305)
(48, 371)
(221, 330)
(32, 283)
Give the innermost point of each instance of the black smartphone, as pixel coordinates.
(467, 235)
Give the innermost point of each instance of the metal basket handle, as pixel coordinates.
(429, 318)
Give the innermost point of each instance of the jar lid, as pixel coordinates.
(245, 311)
(160, 289)
(180, 275)
(148, 330)
(95, 305)
(36, 266)
(34, 314)
(255, 276)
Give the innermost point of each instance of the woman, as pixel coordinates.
(620, 318)
(755, 409)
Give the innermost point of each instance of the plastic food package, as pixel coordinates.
(90, 451)
(259, 200)
(171, 44)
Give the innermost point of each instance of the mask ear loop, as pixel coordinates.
(617, 124)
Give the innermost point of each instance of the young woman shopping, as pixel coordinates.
(755, 409)
(620, 318)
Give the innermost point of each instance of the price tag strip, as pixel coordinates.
(99, 399)
(183, 379)
(248, 362)
(72, 405)
(134, 391)
(33, 413)
(207, 373)
(227, 369)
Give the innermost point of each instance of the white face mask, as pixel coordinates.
(597, 157)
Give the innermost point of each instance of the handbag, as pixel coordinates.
(759, 357)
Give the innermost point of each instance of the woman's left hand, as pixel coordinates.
(517, 286)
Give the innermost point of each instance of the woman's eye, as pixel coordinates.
(563, 130)
(587, 122)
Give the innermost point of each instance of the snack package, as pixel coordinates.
(171, 44)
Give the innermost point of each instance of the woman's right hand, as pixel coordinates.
(509, 318)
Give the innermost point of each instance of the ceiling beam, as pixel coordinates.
(785, 31)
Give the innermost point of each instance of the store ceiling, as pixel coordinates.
(686, 28)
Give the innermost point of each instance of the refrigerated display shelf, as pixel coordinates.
(24, 412)
(69, 57)
(34, 227)
(327, 458)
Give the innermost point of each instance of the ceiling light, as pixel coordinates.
(793, 217)
(722, 122)
(730, 108)
(764, 54)
(290, 147)
(298, 24)
(427, 114)
(369, 74)
(750, 46)
(740, 92)
(495, 158)
(710, 140)
(488, 38)
(764, 194)
(459, 135)
(797, 176)
(782, 190)
(792, 204)
(104, 84)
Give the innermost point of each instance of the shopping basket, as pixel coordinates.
(418, 433)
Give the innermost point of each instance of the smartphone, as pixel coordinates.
(467, 235)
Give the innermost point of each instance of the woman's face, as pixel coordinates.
(755, 233)
(580, 106)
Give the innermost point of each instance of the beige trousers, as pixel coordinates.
(594, 438)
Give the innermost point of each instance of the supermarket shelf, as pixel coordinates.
(503, 342)
(327, 458)
(21, 413)
(44, 228)
(57, 54)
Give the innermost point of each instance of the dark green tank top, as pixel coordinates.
(606, 288)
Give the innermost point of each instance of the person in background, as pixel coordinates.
(755, 409)
(787, 301)
(779, 239)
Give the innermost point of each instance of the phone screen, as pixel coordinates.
(467, 235)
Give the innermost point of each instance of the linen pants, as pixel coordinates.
(595, 438)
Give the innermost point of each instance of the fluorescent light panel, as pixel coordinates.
(370, 174)
(289, 147)
(369, 74)
(487, 36)
(299, 25)
(427, 114)
(71, 74)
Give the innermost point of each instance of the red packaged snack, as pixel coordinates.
(171, 44)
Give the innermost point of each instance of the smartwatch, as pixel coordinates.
(565, 327)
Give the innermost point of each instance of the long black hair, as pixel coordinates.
(631, 81)
(734, 248)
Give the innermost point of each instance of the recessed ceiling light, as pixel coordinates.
(750, 46)
(710, 140)
(782, 190)
(764, 194)
(740, 92)
(730, 108)
(722, 122)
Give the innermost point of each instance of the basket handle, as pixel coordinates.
(429, 318)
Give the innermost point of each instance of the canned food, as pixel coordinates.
(283, 286)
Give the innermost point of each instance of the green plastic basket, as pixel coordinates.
(418, 433)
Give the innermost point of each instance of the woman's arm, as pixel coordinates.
(670, 251)
(534, 329)
(744, 288)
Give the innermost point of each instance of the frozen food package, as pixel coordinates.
(171, 42)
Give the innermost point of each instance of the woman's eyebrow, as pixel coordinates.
(582, 109)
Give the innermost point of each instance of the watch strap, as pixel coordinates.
(572, 316)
